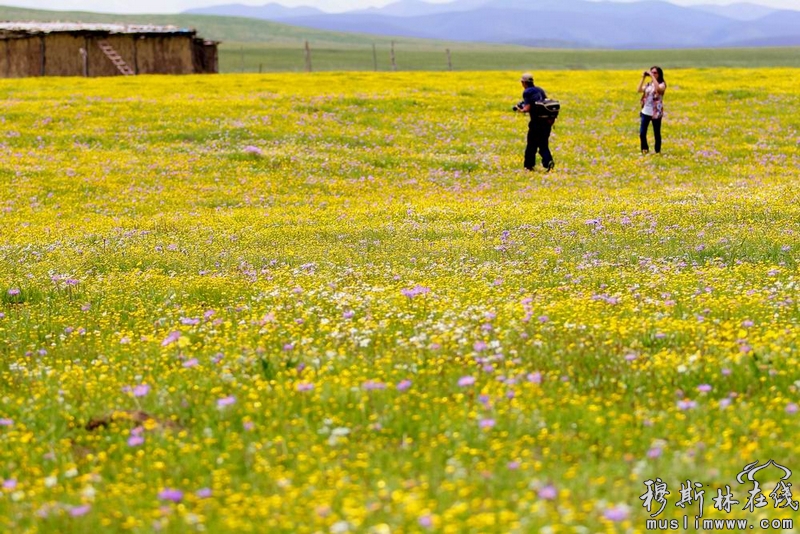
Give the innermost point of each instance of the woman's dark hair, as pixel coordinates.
(660, 73)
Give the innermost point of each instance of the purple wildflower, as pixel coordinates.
(416, 290)
(226, 401)
(654, 452)
(687, 404)
(479, 346)
(171, 338)
(548, 492)
(190, 363)
(371, 385)
(403, 385)
(425, 521)
(77, 511)
(466, 381)
(13, 292)
(135, 441)
(189, 321)
(305, 386)
(535, 377)
(170, 494)
(253, 151)
(704, 388)
(6, 422)
(203, 493)
(791, 408)
(486, 423)
(141, 390)
(618, 513)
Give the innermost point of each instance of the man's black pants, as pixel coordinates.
(538, 139)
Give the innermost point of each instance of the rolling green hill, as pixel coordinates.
(252, 45)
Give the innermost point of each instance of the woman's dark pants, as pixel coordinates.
(646, 120)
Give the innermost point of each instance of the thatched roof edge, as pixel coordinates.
(33, 28)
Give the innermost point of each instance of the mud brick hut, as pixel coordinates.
(76, 49)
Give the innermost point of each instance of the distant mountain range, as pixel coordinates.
(647, 24)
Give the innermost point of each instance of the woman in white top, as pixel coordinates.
(652, 106)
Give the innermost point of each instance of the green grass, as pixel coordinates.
(619, 319)
(252, 45)
(432, 56)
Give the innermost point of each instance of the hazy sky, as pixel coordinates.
(175, 6)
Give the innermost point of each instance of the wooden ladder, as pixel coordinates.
(115, 58)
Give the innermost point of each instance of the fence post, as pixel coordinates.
(374, 58)
(241, 50)
(449, 63)
(394, 65)
(308, 57)
(260, 66)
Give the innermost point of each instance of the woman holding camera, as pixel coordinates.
(652, 106)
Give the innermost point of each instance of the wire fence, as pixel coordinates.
(374, 57)
(394, 56)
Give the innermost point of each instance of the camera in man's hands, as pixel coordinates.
(519, 107)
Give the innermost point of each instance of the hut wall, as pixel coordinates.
(24, 57)
(100, 64)
(205, 56)
(62, 55)
(4, 58)
(59, 54)
(165, 55)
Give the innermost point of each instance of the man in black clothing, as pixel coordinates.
(538, 128)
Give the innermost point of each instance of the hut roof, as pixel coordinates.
(80, 27)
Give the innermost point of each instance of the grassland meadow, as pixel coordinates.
(301, 303)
